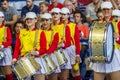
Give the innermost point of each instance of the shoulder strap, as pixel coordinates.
(64, 32)
(35, 40)
(51, 36)
(5, 35)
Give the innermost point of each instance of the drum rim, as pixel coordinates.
(112, 52)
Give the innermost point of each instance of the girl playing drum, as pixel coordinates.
(5, 42)
(64, 40)
(31, 41)
(75, 46)
(52, 39)
(113, 68)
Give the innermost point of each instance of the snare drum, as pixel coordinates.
(101, 42)
(1, 55)
(25, 67)
(60, 57)
(49, 64)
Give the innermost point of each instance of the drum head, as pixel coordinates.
(109, 43)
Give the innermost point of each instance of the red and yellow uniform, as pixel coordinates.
(64, 33)
(8, 36)
(116, 26)
(25, 42)
(5, 42)
(75, 38)
(52, 39)
(64, 40)
(74, 50)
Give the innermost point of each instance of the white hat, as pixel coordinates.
(65, 10)
(116, 12)
(46, 16)
(106, 4)
(1, 14)
(56, 10)
(31, 15)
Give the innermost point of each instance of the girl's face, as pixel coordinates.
(116, 18)
(1, 19)
(31, 22)
(118, 2)
(56, 16)
(46, 23)
(100, 16)
(64, 17)
(77, 18)
(18, 27)
(107, 12)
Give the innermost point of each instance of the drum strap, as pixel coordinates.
(35, 40)
(64, 31)
(5, 34)
(115, 26)
(51, 37)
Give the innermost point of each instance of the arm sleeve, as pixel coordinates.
(77, 40)
(42, 44)
(54, 44)
(17, 47)
(67, 37)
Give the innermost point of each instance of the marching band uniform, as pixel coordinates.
(64, 40)
(52, 39)
(5, 42)
(25, 43)
(74, 49)
(75, 38)
(114, 66)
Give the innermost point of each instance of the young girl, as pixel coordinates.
(5, 43)
(113, 68)
(31, 41)
(75, 40)
(64, 40)
(52, 39)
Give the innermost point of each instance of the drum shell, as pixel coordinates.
(25, 67)
(98, 42)
(61, 57)
(51, 66)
